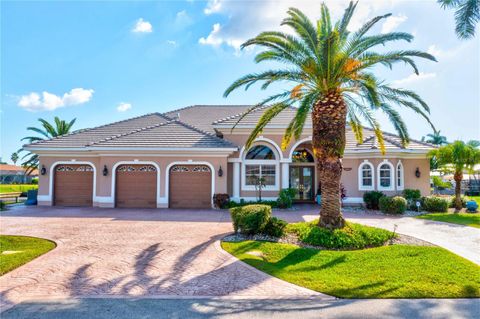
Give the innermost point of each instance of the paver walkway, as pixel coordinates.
(461, 240)
(131, 252)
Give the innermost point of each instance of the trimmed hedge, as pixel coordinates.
(275, 227)
(352, 236)
(371, 199)
(412, 194)
(250, 219)
(435, 204)
(242, 203)
(393, 205)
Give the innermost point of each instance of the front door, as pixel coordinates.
(302, 179)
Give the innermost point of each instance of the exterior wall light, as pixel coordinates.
(43, 171)
(105, 170)
(220, 171)
(417, 173)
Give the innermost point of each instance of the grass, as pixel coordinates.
(352, 236)
(384, 272)
(11, 188)
(467, 219)
(20, 250)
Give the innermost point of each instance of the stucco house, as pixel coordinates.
(180, 159)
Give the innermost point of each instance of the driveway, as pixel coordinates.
(131, 252)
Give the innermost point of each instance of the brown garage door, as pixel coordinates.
(136, 186)
(73, 185)
(190, 186)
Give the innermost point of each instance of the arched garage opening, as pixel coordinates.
(73, 185)
(190, 186)
(136, 186)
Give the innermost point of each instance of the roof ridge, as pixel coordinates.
(395, 135)
(239, 114)
(100, 126)
(146, 128)
(189, 126)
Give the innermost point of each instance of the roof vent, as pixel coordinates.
(178, 115)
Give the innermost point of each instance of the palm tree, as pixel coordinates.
(458, 157)
(14, 158)
(436, 138)
(467, 15)
(329, 71)
(47, 131)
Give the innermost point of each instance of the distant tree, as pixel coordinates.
(47, 131)
(435, 138)
(14, 158)
(458, 157)
(2, 162)
(467, 15)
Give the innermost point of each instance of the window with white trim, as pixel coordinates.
(260, 163)
(400, 176)
(385, 176)
(366, 176)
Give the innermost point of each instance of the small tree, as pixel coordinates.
(457, 157)
(259, 184)
(14, 158)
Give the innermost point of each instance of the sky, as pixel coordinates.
(104, 61)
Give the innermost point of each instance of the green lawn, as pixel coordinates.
(383, 272)
(18, 250)
(467, 219)
(10, 188)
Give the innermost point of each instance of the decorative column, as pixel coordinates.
(236, 181)
(285, 175)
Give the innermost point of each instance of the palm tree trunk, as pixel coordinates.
(458, 177)
(329, 121)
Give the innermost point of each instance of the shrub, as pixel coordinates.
(452, 202)
(275, 227)
(242, 203)
(34, 181)
(285, 197)
(412, 194)
(352, 236)
(393, 205)
(371, 199)
(250, 219)
(221, 200)
(2, 205)
(435, 204)
(440, 184)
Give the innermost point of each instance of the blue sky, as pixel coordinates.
(104, 61)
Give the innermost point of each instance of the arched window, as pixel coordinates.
(386, 176)
(260, 166)
(302, 156)
(366, 176)
(400, 176)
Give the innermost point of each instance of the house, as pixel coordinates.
(180, 159)
(13, 174)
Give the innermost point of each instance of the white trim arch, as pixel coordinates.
(259, 141)
(392, 176)
(275, 162)
(165, 200)
(400, 176)
(292, 149)
(72, 162)
(360, 176)
(114, 177)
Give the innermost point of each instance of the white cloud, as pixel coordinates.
(49, 102)
(392, 22)
(122, 107)
(412, 78)
(182, 19)
(245, 19)
(449, 53)
(142, 26)
(172, 43)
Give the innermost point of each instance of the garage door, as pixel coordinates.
(190, 186)
(136, 186)
(73, 185)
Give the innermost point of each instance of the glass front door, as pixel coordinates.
(302, 180)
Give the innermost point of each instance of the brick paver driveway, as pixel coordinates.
(131, 252)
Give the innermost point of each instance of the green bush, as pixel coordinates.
(452, 202)
(352, 236)
(275, 227)
(285, 197)
(412, 194)
(371, 199)
(250, 219)
(440, 184)
(242, 203)
(393, 205)
(2, 205)
(435, 204)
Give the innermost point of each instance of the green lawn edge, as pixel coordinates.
(396, 271)
(30, 247)
(465, 219)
